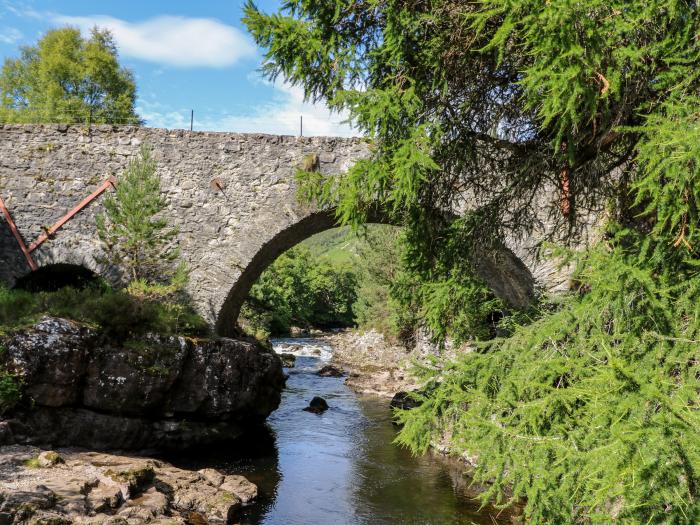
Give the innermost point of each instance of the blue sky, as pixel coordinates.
(185, 55)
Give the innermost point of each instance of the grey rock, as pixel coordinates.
(404, 401)
(330, 371)
(317, 405)
(241, 487)
(93, 488)
(161, 393)
(49, 458)
(288, 360)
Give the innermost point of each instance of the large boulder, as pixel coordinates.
(151, 393)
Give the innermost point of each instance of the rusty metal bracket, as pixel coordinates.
(18, 237)
(111, 181)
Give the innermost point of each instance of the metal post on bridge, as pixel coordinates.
(15, 232)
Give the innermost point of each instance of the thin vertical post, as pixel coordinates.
(301, 125)
(191, 119)
(18, 237)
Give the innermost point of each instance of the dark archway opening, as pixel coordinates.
(56, 276)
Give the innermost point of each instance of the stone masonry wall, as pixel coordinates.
(226, 237)
(45, 170)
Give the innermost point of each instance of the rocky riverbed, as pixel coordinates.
(64, 486)
(377, 366)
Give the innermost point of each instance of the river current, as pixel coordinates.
(341, 467)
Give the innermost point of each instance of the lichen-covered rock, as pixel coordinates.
(49, 458)
(153, 393)
(241, 487)
(92, 488)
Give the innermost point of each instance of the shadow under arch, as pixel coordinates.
(53, 276)
(508, 277)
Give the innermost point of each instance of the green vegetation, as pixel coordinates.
(32, 462)
(118, 313)
(10, 392)
(340, 279)
(300, 290)
(151, 299)
(398, 301)
(135, 237)
(588, 411)
(66, 78)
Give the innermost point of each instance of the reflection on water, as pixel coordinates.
(341, 467)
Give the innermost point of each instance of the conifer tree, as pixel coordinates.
(136, 237)
(589, 412)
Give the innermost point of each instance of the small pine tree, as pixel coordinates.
(136, 239)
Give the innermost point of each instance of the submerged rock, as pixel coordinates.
(97, 488)
(330, 371)
(151, 393)
(317, 405)
(288, 360)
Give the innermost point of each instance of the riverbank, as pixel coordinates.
(374, 364)
(70, 486)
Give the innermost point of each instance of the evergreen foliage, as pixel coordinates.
(589, 413)
(66, 78)
(136, 238)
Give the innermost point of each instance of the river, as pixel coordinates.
(341, 467)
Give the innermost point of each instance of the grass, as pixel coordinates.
(117, 313)
(32, 462)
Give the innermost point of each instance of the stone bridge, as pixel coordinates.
(232, 197)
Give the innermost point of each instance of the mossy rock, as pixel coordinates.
(49, 458)
(52, 519)
(135, 479)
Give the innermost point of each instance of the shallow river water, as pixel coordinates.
(341, 467)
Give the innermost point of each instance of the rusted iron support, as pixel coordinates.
(68, 216)
(18, 237)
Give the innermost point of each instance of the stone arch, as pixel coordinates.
(68, 249)
(502, 270)
(265, 256)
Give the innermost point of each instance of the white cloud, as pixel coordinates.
(21, 9)
(10, 35)
(277, 117)
(172, 40)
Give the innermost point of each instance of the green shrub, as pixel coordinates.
(118, 313)
(589, 414)
(10, 391)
